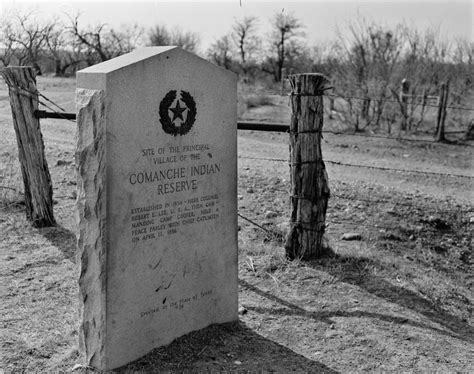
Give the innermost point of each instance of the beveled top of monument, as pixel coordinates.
(138, 56)
(126, 59)
(95, 77)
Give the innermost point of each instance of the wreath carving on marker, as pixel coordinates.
(167, 123)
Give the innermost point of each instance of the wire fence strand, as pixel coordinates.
(375, 136)
(32, 95)
(52, 102)
(369, 167)
(393, 101)
(399, 170)
(373, 201)
(260, 226)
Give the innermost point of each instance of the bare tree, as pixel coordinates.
(101, 42)
(28, 37)
(425, 57)
(425, 64)
(462, 84)
(220, 52)
(62, 48)
(7, 50)
(161, 35)
(91, 40)
(126, 38)
(366, 56)
(245, 40)
(286, 29)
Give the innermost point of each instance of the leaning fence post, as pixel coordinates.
(34, 168)
(309, 181)
(443, 102)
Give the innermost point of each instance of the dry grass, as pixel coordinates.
(404, 247)
(11, 184)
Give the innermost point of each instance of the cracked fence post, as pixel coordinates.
(34, 168)
(309, 180)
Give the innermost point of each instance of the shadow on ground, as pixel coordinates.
(351, 270)
(229, 347)
(63, 239)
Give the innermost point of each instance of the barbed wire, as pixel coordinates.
(396, 203)
(369, 167)
(54, 111)
(51, 101)
(45, 97)
(32, 94)
(260, 226)
(328, 222)
(399, 170)
(387, 100)
(375, 136)
(281, 235)
(277, 234)
(379, 201)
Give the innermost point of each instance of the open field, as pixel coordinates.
(399, 299)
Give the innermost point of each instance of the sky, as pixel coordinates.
(213, 19)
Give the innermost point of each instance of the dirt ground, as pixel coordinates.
(399, 299)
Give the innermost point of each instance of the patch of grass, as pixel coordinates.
(403, 248)
(11, 186)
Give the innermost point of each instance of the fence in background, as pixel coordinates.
(56, 111)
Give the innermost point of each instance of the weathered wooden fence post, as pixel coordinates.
(443, 102)
(284, 76)
(404, 91)
(331, 103)
(34, 168)
(309, 181)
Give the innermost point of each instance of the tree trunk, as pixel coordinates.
(58, 68)
(309, 181)
(34, 168)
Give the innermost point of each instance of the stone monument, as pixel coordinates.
(156, 166)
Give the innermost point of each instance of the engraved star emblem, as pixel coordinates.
(178, 112)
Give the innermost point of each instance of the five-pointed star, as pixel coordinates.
(177, 112)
